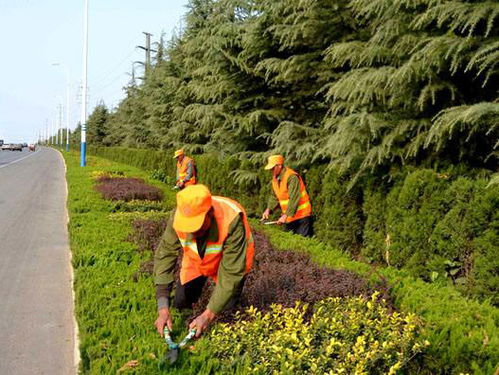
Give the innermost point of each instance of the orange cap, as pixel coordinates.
(193, 203)
(178, 153)
(274, 160)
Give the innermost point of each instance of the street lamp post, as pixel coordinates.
(83, 119)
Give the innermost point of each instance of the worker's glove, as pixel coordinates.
(163, 319)
(282, 219)
(266, 214)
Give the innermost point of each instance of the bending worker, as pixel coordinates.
(290, 194)
(217, 243)
(186, 170)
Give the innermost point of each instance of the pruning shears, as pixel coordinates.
(173, 347)
(270, 222)
(262, 220)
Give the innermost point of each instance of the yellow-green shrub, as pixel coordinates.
(342, 336)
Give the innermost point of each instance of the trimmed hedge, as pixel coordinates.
(442, 227)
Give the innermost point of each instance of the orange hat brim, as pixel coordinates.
(189, 224)
(270, 165)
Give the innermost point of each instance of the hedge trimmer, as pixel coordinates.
(173, 347)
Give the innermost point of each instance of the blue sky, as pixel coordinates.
(36, 33)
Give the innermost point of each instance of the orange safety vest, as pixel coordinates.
(282, 194)
(225, 211)
(182, 171)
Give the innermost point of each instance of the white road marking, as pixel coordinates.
(15, 161)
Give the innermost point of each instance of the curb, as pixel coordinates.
(76, 354)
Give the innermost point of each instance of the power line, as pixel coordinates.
(103, 76)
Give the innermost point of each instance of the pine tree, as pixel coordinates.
(97, 125)
(419, 84)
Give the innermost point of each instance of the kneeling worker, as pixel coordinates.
(186, 170)
(217, 243)
(292, 197)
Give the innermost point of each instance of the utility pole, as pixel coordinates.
(59, 125)
(83, 118)
(148, 50)
(52, 131)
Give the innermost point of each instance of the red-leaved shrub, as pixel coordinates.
(147, 233)
(127, 189)
(282, 277)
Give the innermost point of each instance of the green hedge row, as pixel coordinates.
(442, 227)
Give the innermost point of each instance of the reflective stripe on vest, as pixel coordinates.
(304, 208)
(224, 211)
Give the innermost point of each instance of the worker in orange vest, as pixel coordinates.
(214, 234)
(290, 194)
(186, 170)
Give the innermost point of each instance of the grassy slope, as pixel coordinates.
(115, 314)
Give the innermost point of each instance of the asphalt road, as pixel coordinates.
(36, 304)
(7, 157)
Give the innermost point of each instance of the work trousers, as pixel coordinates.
(302, 227)
(188, 294)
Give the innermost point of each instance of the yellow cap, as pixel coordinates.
(178, 153)
(193, 203)
(274, 160)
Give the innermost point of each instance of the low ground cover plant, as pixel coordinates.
(146, 233)
(127, 189)
(463, 332)
(351, 335)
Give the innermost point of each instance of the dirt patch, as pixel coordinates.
(127, 189)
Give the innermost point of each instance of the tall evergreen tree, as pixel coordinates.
(97, 127)
(419, 85)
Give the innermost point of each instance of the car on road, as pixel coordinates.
(6, 146)
(16, 147)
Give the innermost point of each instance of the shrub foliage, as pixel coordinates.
(127, 189)
(343, 335)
